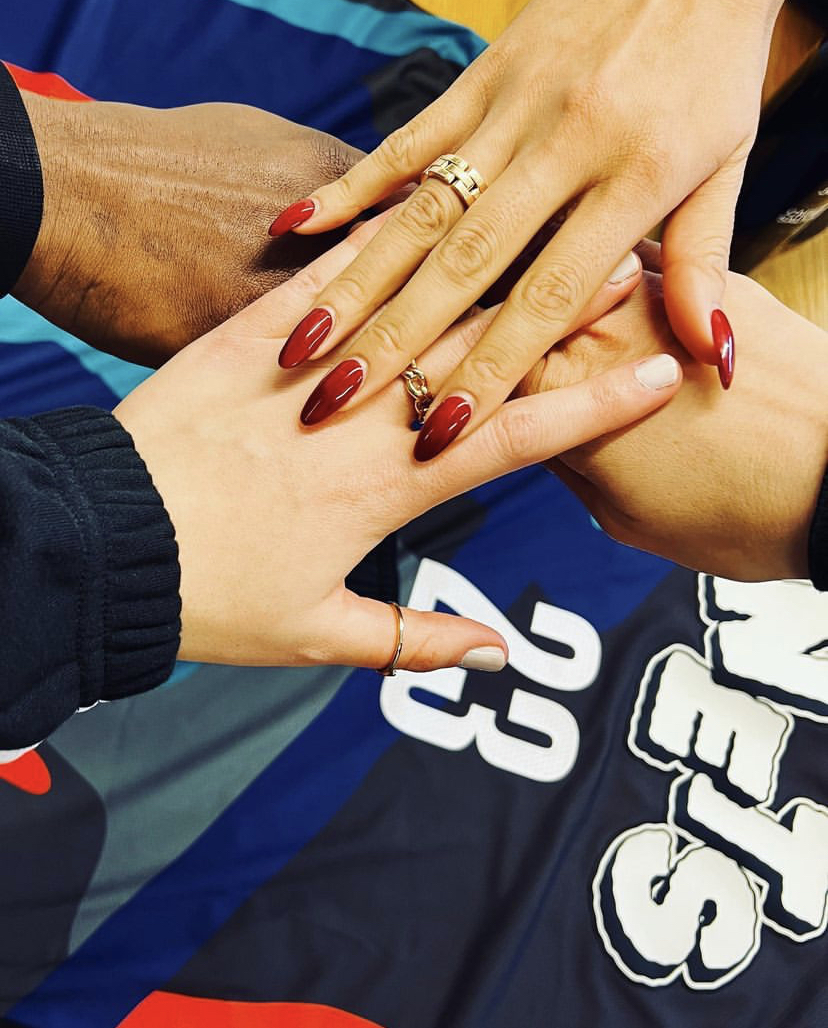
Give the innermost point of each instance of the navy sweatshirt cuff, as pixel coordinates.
(129, 625)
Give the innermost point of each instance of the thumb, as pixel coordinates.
(364, 633)
(694, 253)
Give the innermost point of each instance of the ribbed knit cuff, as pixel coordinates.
(21, 184)
(130, 623)
(818, 540)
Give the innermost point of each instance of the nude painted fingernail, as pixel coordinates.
(626, 269)
(292, 217)
(658, 372)
(484, 658)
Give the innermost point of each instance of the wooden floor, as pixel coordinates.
(799, 276)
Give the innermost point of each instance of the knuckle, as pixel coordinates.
(604, 400)
(427, 215)
(516, 432)
(348, 290)
(651, 162)
(346, 189)
(710, 258)
(396, 152)
(490, 372)
(310, 281)
(586, 102)
(385, 340)
(553, 293)
(466, 254)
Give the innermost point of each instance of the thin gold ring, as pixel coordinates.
(391, 669)
(456, 172)
(416, 385)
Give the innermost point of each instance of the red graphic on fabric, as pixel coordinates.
(47, 83)
(28, 772)
(172, 1011)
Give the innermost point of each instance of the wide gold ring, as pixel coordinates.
(416, 385)
(391, 669)
(456, 172)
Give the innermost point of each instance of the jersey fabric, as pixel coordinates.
(627, 827)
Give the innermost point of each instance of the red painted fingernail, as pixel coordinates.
(445, 424)
(305, 338)
(723, 341)
(292, 217)
(335, 389)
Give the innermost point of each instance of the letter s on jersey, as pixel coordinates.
(664, 913)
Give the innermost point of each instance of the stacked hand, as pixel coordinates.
(153, 228)
(621, 113)
(270, 516)
(726, 485)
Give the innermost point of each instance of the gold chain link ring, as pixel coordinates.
(417, 387)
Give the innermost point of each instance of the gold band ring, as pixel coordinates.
(417, 388)
(456, 172)
(391, 669)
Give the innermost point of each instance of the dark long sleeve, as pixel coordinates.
(21, 184)
(88, 571)
(818, 540)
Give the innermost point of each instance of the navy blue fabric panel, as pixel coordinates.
(182, 52)
(36, 377)
(582, 569)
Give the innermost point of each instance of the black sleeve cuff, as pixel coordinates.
(21, 184)
(94, 611)
(818, 540)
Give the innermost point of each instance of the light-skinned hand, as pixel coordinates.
(271, 515)
(619, 113)
(723, 484)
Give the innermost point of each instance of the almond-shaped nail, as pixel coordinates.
(626, 269)
(306, 337)
(723, 341)
(335, 389)
(444, 425)
(292, 217)
(657, 372)
(484, 658)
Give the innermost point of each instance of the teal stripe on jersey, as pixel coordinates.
(391, 34)
(20, 325)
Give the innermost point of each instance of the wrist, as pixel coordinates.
(65, 163)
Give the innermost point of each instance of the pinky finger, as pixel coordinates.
(534, 428)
